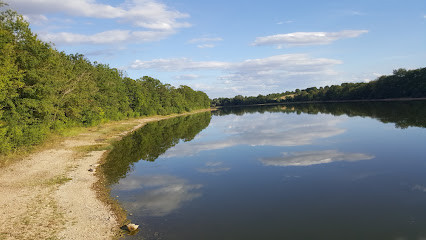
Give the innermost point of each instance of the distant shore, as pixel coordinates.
(331, 101)
(55, 193)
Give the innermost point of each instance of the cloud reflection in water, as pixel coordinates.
(261, 130)
(419, 187)
(309, 158)
(213, 167)
(159, 195)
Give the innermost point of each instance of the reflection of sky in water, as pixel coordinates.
(263, 130)
(213, 167)
(245, 177)
(419, 187)
(157, 195)
(308, 158)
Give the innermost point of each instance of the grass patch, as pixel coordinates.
(115, 128)
(50, 142)
(58, 180)
(24, 151)
(71, 132)
(6, 160)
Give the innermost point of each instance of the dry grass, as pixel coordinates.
(92, 148)
(58, 180)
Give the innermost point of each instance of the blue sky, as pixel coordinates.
(226, 48)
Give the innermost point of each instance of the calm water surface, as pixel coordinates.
(318, 171)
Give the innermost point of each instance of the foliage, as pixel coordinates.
(402, 84)
(44, 90)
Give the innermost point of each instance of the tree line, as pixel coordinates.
(401, 84)
(403, 114)
(44, 90)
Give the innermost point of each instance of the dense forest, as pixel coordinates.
(402, 84)
(44, 90)
(149, 142)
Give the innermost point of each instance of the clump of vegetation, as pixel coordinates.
(58, 180)
(402, 84)
(43, 90)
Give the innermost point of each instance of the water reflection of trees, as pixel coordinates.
(149, 142)
(404, 114)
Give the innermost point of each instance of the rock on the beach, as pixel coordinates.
(132, 227)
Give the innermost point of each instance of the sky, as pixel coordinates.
(228, 48)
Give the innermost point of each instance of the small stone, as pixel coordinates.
(132, 227)
(91, 170)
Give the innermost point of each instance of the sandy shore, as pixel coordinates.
(50, 194)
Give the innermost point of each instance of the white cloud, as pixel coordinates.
(143, 13)
(206, 45)
(306, 38)
(36, 18)
(277, 73)
(156, 20)
(107, 37)
(177, 64)
(294, 64)
(112, 36)
(282, 65)
(287, 22)
(85, 8)
(203, 40)
(309, 158)
(149, 36)
(253, 75)
(187, 77)
(153, 15)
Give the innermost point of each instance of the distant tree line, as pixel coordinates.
(44, 90)
(402, 84)
(403, 114)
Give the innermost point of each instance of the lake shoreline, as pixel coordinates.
(331, 101)
(57, 193)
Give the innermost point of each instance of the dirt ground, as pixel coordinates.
(50, 194)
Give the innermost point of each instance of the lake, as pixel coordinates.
(300, 171)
